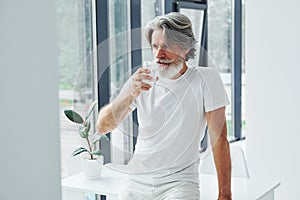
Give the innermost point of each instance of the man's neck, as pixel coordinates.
(181, 72)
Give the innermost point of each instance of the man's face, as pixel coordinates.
(169, 57)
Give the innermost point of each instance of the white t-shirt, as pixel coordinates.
(172, 122)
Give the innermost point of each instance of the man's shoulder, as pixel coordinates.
(202, 68)
(203, 71)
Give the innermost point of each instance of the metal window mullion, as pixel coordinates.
(237, 68)
(169, 6)
(136, 51)
(103, 74)
(192, 5)
(203, 60)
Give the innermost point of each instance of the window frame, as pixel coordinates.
(236, 72)
(102, 31)
(103, 71)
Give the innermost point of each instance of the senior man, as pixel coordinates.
(172, 114)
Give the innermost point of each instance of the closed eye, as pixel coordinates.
(164, 46)
(154, 46)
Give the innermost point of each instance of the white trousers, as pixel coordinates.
(182, 190)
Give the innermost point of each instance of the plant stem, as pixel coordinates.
(90, 147)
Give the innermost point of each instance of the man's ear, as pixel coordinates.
(186, 51)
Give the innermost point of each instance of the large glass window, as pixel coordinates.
(77, 69)
(149, 10)
(123, 57)
(220, 46)
(76, 73)
(121, 47)
(196, 17)
(220, 51)
(120, 70)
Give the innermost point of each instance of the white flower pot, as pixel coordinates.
(92, 168)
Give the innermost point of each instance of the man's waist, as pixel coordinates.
(165, 175)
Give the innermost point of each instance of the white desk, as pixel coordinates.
(110, 185)
(242, 189)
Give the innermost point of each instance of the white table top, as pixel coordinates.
(245, 189)
(111, 184)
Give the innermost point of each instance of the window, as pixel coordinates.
(120, 70)
(149, 10)
(76, 73)
(119, 34)
(226, 48)
(127, 49)
(220, 47)
(223, 46)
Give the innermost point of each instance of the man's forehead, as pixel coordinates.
(160, 39)
(158, 35)
(164, 36)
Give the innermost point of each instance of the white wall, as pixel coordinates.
(273, 92)
(29, 130)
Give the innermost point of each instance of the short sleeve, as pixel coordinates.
(213, 90)
(125, 90)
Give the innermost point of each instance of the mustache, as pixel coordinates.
(166, 61)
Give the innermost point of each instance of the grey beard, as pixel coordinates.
(170, 71)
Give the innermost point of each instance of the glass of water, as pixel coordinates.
(151, 65)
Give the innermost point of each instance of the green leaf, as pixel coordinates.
(79, 151)
(83, 132)
(84, 129)
(73, 116)
(98, 137)
(91, 109)
(97, 152)
(88, 126)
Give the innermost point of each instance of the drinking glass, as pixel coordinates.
(151, 65)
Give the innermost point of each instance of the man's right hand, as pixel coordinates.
(114, 113)
(137, 84)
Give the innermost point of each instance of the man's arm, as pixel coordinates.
(114, 113)
(217, 129)
(111, 115)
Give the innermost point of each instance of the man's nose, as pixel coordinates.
(160, 53)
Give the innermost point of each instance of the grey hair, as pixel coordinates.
(177, 29)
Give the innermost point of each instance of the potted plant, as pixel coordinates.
(92, 164)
